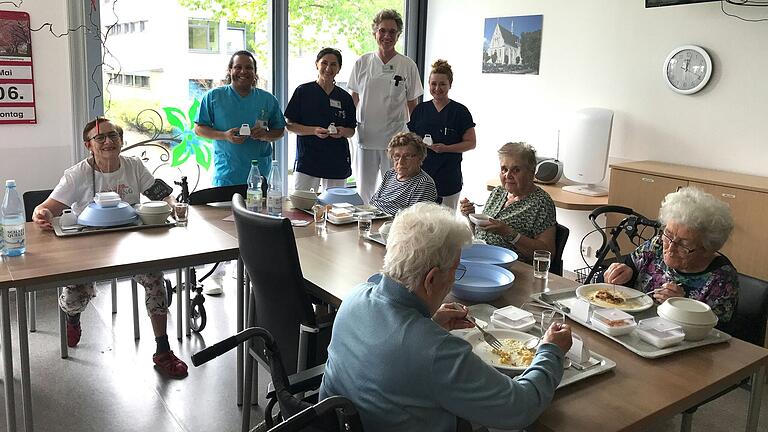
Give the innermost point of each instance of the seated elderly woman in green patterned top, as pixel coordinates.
(522, 215)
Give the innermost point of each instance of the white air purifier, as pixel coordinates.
(584, 141)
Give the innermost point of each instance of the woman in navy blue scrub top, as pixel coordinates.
(452, 129)
(322, 115)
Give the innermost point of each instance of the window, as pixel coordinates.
(142, 26)
(128, 80)
(203, 35)
(198, 87)
(133, 27)
(141, 81)
(235, 39)
(125, 28)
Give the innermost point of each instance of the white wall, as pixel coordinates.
(36, 155)
(609, 53)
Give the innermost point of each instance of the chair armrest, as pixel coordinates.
(306, 380)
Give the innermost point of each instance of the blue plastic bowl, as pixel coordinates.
(483, 282)
(488, 254)
(340, 195)
(97, 216)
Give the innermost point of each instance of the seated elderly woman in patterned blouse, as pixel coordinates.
(522, 214)
(406, 183)
(683, 261)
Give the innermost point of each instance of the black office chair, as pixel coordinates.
(300, 414)
(748, 324)
(561, 238)
(279, 301)
(217, 194)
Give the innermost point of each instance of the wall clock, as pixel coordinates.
(687, 69)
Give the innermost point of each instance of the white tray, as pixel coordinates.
(377, 216)
(83, 230)
(561, 299)
(376, 238)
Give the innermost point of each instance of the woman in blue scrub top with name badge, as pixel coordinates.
(225, 109)
(452, 130)
(322, 115)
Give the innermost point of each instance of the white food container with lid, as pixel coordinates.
(514, 318)
(613, 322)
(106, 199)
(659, 332)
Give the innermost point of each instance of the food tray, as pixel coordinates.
(83, 230)
(563, 299)
(571, 375)
(377, 215)
(376, 238)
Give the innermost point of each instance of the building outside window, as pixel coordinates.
(235, 39)
(203, 35)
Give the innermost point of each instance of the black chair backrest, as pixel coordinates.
(749, 320)
(216, 194)
(33, 199)
(335, 410)
(561, 238)
(268, 250)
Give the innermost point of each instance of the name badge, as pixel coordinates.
(335, 103)
(388, 68)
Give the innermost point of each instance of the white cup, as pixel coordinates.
(68, 218)
(245, 130)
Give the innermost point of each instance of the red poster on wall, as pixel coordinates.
(17, 86)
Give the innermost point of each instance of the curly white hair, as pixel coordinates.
(700, 211)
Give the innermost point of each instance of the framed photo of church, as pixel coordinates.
(512, 45)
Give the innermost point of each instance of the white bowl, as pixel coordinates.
(479, 219)
(154, 212)
(693, 332)
(302, 202)
(154, 218)
(688, 311)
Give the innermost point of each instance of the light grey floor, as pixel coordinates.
(108, 382)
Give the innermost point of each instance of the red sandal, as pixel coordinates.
(170, 365)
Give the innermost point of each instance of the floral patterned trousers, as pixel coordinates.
(75, 298)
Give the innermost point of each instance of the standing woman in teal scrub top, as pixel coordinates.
(224, 109)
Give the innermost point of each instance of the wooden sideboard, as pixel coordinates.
(642, 186)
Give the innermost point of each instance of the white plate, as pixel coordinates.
(479, 219)
(484, 351)
(635, 305)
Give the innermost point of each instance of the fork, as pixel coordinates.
(489, 338)
(650, 293)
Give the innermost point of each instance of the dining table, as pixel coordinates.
(51, 262)
(635, 395)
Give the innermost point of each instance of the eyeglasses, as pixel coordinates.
(403, 157)
(460, 271)
(668, 238)
(101, 138)
(391, 32)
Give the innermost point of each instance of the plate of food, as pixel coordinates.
(612, 296)
(512, 359)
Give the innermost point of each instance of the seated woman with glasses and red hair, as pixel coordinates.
(683, 261)
(406, 183)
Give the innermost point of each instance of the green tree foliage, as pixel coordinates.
(530, 48)
(313, 24)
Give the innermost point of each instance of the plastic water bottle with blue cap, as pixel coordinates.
(275, 192)
(253, 195)
(13, 220)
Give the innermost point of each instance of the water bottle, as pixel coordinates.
(2, 240)
(275, 192)
(253, 196)
(13, 221)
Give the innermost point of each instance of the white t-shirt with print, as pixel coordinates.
(382, 111)
(76, 187)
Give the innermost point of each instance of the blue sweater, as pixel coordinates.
(404, 372)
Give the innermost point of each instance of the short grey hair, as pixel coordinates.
(700, 211)
(520, 150)
(422, 237)
(403, 139)
(388, 14)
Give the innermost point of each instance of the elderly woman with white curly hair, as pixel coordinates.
(683, 261)
(392, 355)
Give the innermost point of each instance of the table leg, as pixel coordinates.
(5, 342)
(755, 398)
(26, 385)
(187, 289)
(32, 311)
(62, 328)
(240, 351)
(179, 309)
(135, 298)
(114, 296)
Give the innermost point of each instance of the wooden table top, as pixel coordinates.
(660, 388)
(563, 199)
(5, 275)
(50, 259)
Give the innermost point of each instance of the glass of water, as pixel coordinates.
(548, 316)
(181, 211)
(541, 260)
(364, 222)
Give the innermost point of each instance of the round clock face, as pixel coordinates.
(687, 69)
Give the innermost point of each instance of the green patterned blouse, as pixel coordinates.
(530, 216)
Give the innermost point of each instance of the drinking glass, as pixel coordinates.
(541, 259)
(364, 222)
(548, 316)
(319, 212)
(181, 212)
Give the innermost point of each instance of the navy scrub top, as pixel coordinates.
(323, 158)
(446, 127)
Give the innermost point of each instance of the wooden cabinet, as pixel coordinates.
(642, 186)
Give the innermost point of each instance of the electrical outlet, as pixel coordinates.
(586, 251)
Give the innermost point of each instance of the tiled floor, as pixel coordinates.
(108, 382)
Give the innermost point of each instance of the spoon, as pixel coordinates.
(532, 343)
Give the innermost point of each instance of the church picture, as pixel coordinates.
(512, 45)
